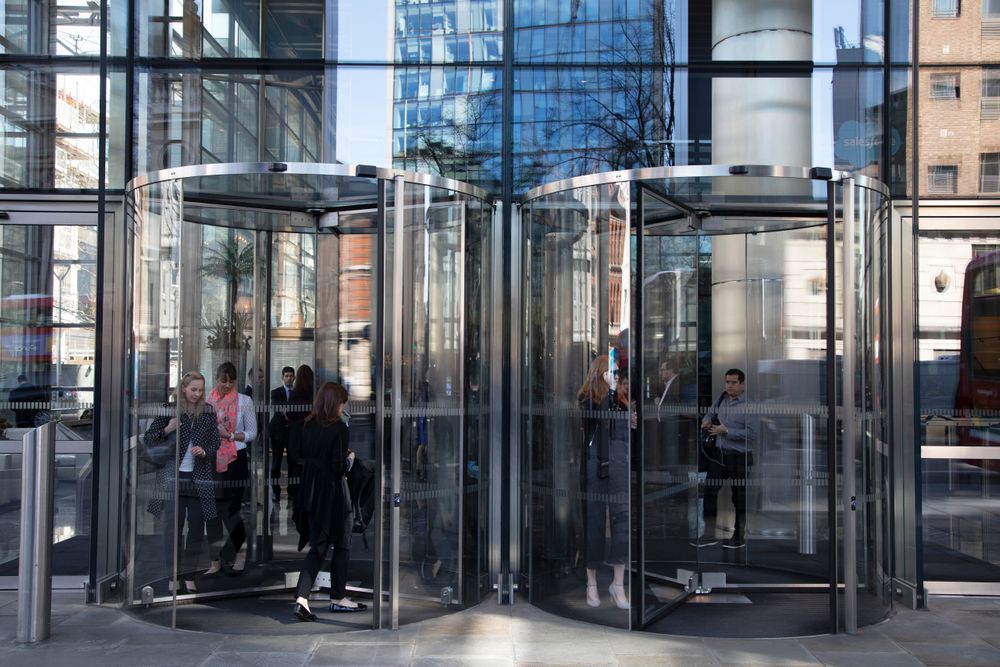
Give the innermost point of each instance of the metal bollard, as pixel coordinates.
(34, 575)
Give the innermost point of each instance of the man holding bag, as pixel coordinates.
(729, 457)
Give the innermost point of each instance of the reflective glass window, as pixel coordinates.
(944, 8)
(989, 173)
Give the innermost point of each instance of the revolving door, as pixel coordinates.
(291, 276)
(657, 300)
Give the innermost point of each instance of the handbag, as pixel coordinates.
(159, 454)
(708, 440)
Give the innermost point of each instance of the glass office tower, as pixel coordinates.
(504, 96)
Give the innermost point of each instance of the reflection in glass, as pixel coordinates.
(957, 288)
(578, 306)
(47, 351)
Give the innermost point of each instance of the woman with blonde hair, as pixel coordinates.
(325, 500)
(606, 424)
(195, 443)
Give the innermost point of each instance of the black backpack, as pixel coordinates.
(361, 484)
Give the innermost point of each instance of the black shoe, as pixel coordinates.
(303, 614)
(339, 608)
(704, 543)
(734, 542)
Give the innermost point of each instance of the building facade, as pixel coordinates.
(504, 95)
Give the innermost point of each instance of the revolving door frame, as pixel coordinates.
(841, 426)
(386, 561)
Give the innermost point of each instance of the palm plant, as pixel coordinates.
(232, 261)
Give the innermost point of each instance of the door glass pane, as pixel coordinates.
(157, 227)
(432, 390)
(577, 427)
(673, 524)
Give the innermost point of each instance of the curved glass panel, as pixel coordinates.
(735, 491)
(268, 285)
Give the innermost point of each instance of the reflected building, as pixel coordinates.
(505, 95)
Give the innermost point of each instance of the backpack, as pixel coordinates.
(361, 484)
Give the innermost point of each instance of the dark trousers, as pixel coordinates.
(606, 501)
(235, 481)
(319, 545)
(278, 446)
(191, 547)
(721, 466)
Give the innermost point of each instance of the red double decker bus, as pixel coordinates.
(978, 395)
(26, 331)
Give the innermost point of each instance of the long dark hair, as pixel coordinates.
(329, 400)
(303, 385)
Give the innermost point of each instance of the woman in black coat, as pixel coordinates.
(324, 499)
(191, 442)
(301, 398)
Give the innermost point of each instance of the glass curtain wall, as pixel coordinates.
(48, 296)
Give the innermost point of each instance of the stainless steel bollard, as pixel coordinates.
(34, 575)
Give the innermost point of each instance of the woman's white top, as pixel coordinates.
(246, 422)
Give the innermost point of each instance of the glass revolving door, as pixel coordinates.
(262, 282)
(689, 332)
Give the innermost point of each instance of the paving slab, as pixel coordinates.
(362, 654)
(866, 659)
(760, 651)
(962, 655)
(255, 659)
(558, 651)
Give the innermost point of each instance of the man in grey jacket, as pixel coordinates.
(730, 458)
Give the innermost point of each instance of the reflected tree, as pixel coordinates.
(624, 118)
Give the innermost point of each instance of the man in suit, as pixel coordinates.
(278, 429)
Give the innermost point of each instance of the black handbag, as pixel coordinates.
(161, 454)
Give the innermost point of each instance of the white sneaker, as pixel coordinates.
(593, 599)
(240, 562)
(618, 595)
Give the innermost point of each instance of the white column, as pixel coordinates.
(756, 120)
(761, 120)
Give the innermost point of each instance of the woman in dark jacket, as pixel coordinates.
(606, 476)
(324, 499)
(191, 455)
(301, 399)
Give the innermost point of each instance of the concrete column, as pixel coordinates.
(756, 120)
(761, 120)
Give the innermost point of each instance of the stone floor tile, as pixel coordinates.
(927, 628)
(559, 651)
(666, 661)
(405, 635)
(459, 624)
(51, 656)
(525, 630)
(760, 651)
(955, 655)
(869, 640)
(362, 654)
(457, 646)
(866, 659)
(268, 643)
(256, 659)
(461, 662)
(646, 643)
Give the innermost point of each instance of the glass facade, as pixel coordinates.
(504, 95)
(957, 245)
